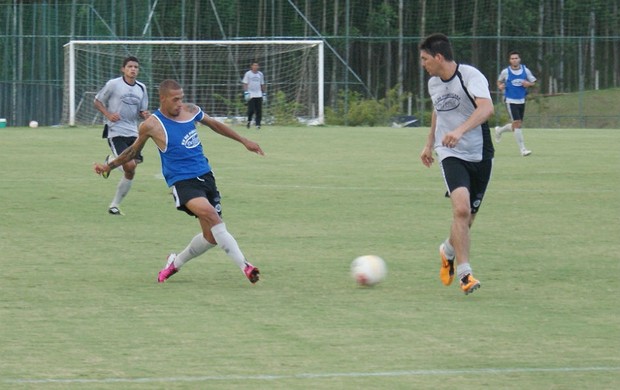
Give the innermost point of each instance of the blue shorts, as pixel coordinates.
(474, 176)
(197, 187)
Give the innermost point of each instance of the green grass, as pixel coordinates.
(80, 308)
(588, 109)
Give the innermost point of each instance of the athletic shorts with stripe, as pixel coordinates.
(198, 187)
(119, 144)
(474, 176)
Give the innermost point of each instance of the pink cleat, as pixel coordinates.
(168, 270)
(251, 273)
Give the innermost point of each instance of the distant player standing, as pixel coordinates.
(188, 173)
(254, 92)
(123, 101)
(514, 82)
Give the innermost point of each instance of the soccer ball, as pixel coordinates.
(368, 270)
(33, 124)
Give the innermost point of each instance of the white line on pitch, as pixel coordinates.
(213, 378)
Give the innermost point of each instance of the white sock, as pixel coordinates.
(463, 270)
(519, 138)
(505, 128)
(197, 246)
(228, 244)
(448, 249)
(121, 191)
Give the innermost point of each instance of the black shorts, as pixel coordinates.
(474, 176)
(119, 144)
(198, 187)
(516, 111)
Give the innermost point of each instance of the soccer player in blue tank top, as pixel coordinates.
(187, 171)
(461, 138)
(514, 81)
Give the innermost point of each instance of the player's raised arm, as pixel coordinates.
(226, 131)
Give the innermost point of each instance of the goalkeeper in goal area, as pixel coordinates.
(188, 173)
(254, 93)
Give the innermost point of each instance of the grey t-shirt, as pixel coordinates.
(126, 100)
(454, 103)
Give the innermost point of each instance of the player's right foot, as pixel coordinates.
(446, 272)
(251, 273)
(469, 284)
(498, 134)
(526, 152)
(168, 270)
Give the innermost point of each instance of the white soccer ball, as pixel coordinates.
(33, 124)
(368, 270)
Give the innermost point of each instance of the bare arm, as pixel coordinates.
(226, 131)
(484, 110)
(427, 153)
(112, 116)
(144, 133)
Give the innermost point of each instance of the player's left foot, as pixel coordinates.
(107, 173)
(115, 211)
(526, 152)
(469, 284)
(168, 270)
(251, 273)
(498, 134)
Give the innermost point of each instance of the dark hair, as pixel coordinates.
(511, 52)
(169, 85)
(130, 59)
(437, 44)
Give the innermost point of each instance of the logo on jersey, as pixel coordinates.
(448, 102)
(191, 140)
(517, 82)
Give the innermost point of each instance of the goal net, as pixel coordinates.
(210, 72)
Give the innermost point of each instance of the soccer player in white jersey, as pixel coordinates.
(514, 81)
(124, 102)
(188, 173)
(461, 138)
(254, 92)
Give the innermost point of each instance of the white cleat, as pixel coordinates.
(526, 152)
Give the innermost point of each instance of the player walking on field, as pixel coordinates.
(514, 82)
(188, 173)
(461, 138)
(123, 101)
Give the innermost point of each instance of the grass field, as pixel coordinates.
(80, 306)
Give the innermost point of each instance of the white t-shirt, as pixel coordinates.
(254, 82)
(453, 101)
(126, 100)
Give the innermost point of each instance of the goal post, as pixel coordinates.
(210, 73)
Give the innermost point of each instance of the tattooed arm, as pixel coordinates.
(145, 132)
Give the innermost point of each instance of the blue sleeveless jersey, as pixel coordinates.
(182, 157)
(514, 84)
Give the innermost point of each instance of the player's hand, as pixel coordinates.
(253, 147)
(115, 117)
(451, 139)
(427, 157)
(101, 169)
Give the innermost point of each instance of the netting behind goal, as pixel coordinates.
(209, 71)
